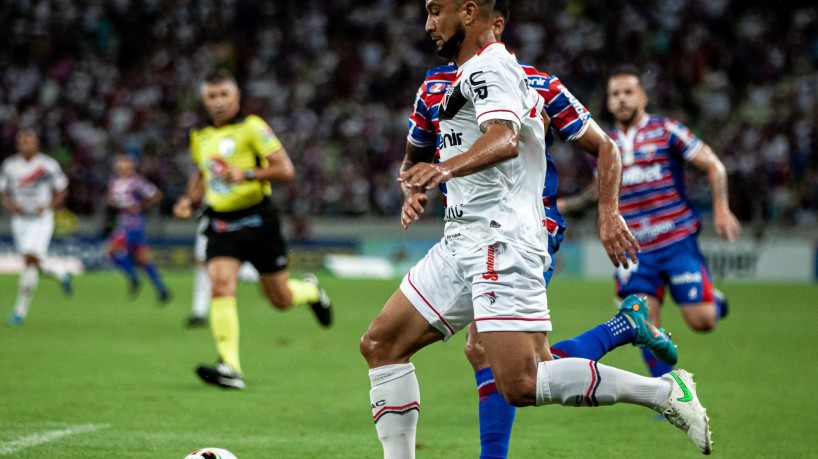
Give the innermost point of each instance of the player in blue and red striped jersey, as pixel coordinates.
(131, 194)
(655, 150)
(571, 122)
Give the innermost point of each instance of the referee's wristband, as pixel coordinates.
(250, 174)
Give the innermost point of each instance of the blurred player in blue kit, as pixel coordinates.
(655, 150)
(131, 194)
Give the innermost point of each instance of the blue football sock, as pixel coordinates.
(655, 367)
(496, 417)
(124, 262)
(721, 305)
(598, 341)
(156, 278)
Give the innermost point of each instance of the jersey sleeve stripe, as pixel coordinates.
(500, 115)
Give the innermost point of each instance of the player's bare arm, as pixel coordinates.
(9, 203)
(499, 142)
(57, 199)
(280, 169)
(152, 200)
(581, 200)
(193, 196)
(414, 198)
(726, 224)
(613, 231)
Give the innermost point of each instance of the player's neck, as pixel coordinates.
(472, 45)
(624, 126)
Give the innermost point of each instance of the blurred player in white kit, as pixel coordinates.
(32, 185)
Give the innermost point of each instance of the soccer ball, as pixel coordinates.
(211, 453)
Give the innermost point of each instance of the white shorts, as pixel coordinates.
(32, 234)
(500, 287)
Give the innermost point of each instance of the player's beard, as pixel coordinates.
(626, 118)
(452, 45)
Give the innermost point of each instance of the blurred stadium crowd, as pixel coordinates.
(336, 81)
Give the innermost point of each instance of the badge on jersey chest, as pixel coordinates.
(648, 151)
(453, 101)
(227, 147)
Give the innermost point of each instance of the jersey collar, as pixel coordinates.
(236, 119)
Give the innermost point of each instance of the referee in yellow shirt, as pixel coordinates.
(237, 158)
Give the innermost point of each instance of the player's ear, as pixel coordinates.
(498, 26)
(470, 11)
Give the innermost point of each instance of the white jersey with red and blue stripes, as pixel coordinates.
(569, 120)
(653, 201)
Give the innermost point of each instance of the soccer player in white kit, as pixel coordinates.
(488, 266)
(31, 186)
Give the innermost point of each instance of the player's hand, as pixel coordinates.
(233, 174)
(183, 208)
(413, 205)
(617, 239)
(425, 175)
(727, 225)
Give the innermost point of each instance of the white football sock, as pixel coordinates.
(201, 292)
(395, 398)
(582, 382)
(28, 283)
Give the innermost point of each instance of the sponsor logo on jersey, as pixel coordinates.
(452, 139)
(437, 88)
(650, 135)
(490, 273)
(686, 278)
(479, 86)
(636, 175)
(538, 81)
(648, 231)
(578, 107)
(453, 213)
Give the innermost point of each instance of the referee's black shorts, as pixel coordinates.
(252, 234)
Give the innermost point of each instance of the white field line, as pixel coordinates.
(13, 446)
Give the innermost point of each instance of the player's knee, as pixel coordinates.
(370, 348)
(476, 355)
(702, 324)
(377, 348)
(703, 321)
(523, 392)
(222, 287)
(519, 389)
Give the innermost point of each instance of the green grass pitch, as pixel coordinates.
(100, 375)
